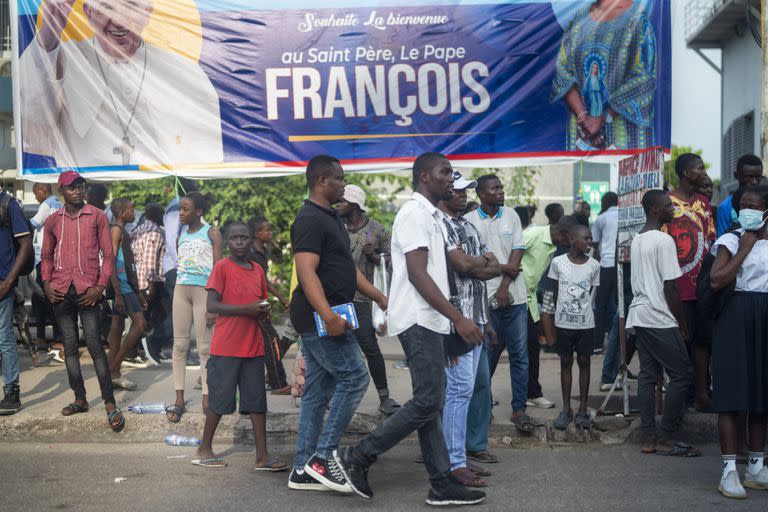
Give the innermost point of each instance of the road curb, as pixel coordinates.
(281, 426)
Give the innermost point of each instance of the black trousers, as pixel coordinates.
(534, 350)
(273, 356)
(366, 338)
(42, 310)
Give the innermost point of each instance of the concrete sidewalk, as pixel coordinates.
(45, 391)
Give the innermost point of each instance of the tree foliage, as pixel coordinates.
(277, 199)
(670, 176)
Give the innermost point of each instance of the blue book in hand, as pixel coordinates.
(345, 311)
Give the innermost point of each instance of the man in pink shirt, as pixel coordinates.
(77, 241)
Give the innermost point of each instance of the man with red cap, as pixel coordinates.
(77, 262)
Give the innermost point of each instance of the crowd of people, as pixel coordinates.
(468, 281)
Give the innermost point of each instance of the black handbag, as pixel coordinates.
(453, 344)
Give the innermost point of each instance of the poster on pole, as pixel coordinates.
(637, 175)
(130, 89)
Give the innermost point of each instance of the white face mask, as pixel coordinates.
(751, 220)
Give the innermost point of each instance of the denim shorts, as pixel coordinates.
(131, 302)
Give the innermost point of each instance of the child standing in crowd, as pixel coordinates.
(740, 342)
(74, 281)
(656, 315)
(148, 244)
(575, 276)
(198, 249)
(128, 301)
(237, 294)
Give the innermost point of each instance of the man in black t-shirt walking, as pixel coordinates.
(336, 376)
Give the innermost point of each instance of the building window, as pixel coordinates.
(738, 140)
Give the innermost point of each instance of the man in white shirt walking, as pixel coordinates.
(656, 315)
(420, 314)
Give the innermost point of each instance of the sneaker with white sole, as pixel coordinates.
(607, 387)
(133, 362)
(730, 486)
(759, 481)
(541, 403)
(299, 480)
(453, 494)
(58, 355)
(328, 473)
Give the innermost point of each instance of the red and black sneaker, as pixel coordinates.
(328, 473)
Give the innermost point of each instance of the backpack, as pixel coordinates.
(710, 303)
(5, 220)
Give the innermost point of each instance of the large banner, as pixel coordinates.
(213, 88)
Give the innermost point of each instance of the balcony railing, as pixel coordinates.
(698, 12)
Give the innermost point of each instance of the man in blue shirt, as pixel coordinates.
(749, 170)
(12, 225)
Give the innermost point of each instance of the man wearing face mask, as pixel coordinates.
(693, 230)
(114, 99)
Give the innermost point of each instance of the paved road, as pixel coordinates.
(81, 477)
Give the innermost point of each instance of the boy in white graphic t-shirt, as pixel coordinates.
(575, 276)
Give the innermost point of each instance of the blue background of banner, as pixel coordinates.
(518, 41)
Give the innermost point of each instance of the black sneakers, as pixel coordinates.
(11, 403)
(328, 473)
(453, 494)
(301, 481)
(356, 474)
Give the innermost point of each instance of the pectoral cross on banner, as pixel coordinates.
(125, 150)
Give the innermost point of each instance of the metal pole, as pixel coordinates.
(622, 334)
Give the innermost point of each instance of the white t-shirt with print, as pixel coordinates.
(654, 261)
(575, 288)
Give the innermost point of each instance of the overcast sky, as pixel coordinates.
(695, 87)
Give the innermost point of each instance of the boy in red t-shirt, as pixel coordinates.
(237, 293)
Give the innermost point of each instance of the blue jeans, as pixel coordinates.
(479, 413)
(335, 375)
(8, 348)
(422, 413)
(511, 324)
(459, 387)
(605, 304)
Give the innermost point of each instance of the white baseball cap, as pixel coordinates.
(356, 195)
(459, 183)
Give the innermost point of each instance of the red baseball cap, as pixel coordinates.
(69, 177)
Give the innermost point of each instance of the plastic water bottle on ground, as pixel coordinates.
(176, 440)
(147, 408)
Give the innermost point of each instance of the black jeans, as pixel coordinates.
(659, 350)
(273, 358)
(534, 351)
(66, 313)
(158, 311)
(366, 337)
(423, 413)
(605, 304)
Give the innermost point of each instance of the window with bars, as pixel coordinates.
(738, 140)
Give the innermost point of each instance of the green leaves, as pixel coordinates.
(519, 183)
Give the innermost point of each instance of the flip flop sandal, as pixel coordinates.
(523, 423)
(74, 408)
(478, 470)
(111, 415)
(388, 407)
(467, 478)
(482, 456)
(274, 466)
(680, 449)
(213, 462)
(174, 409)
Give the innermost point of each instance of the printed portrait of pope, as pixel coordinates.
(114, 99)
